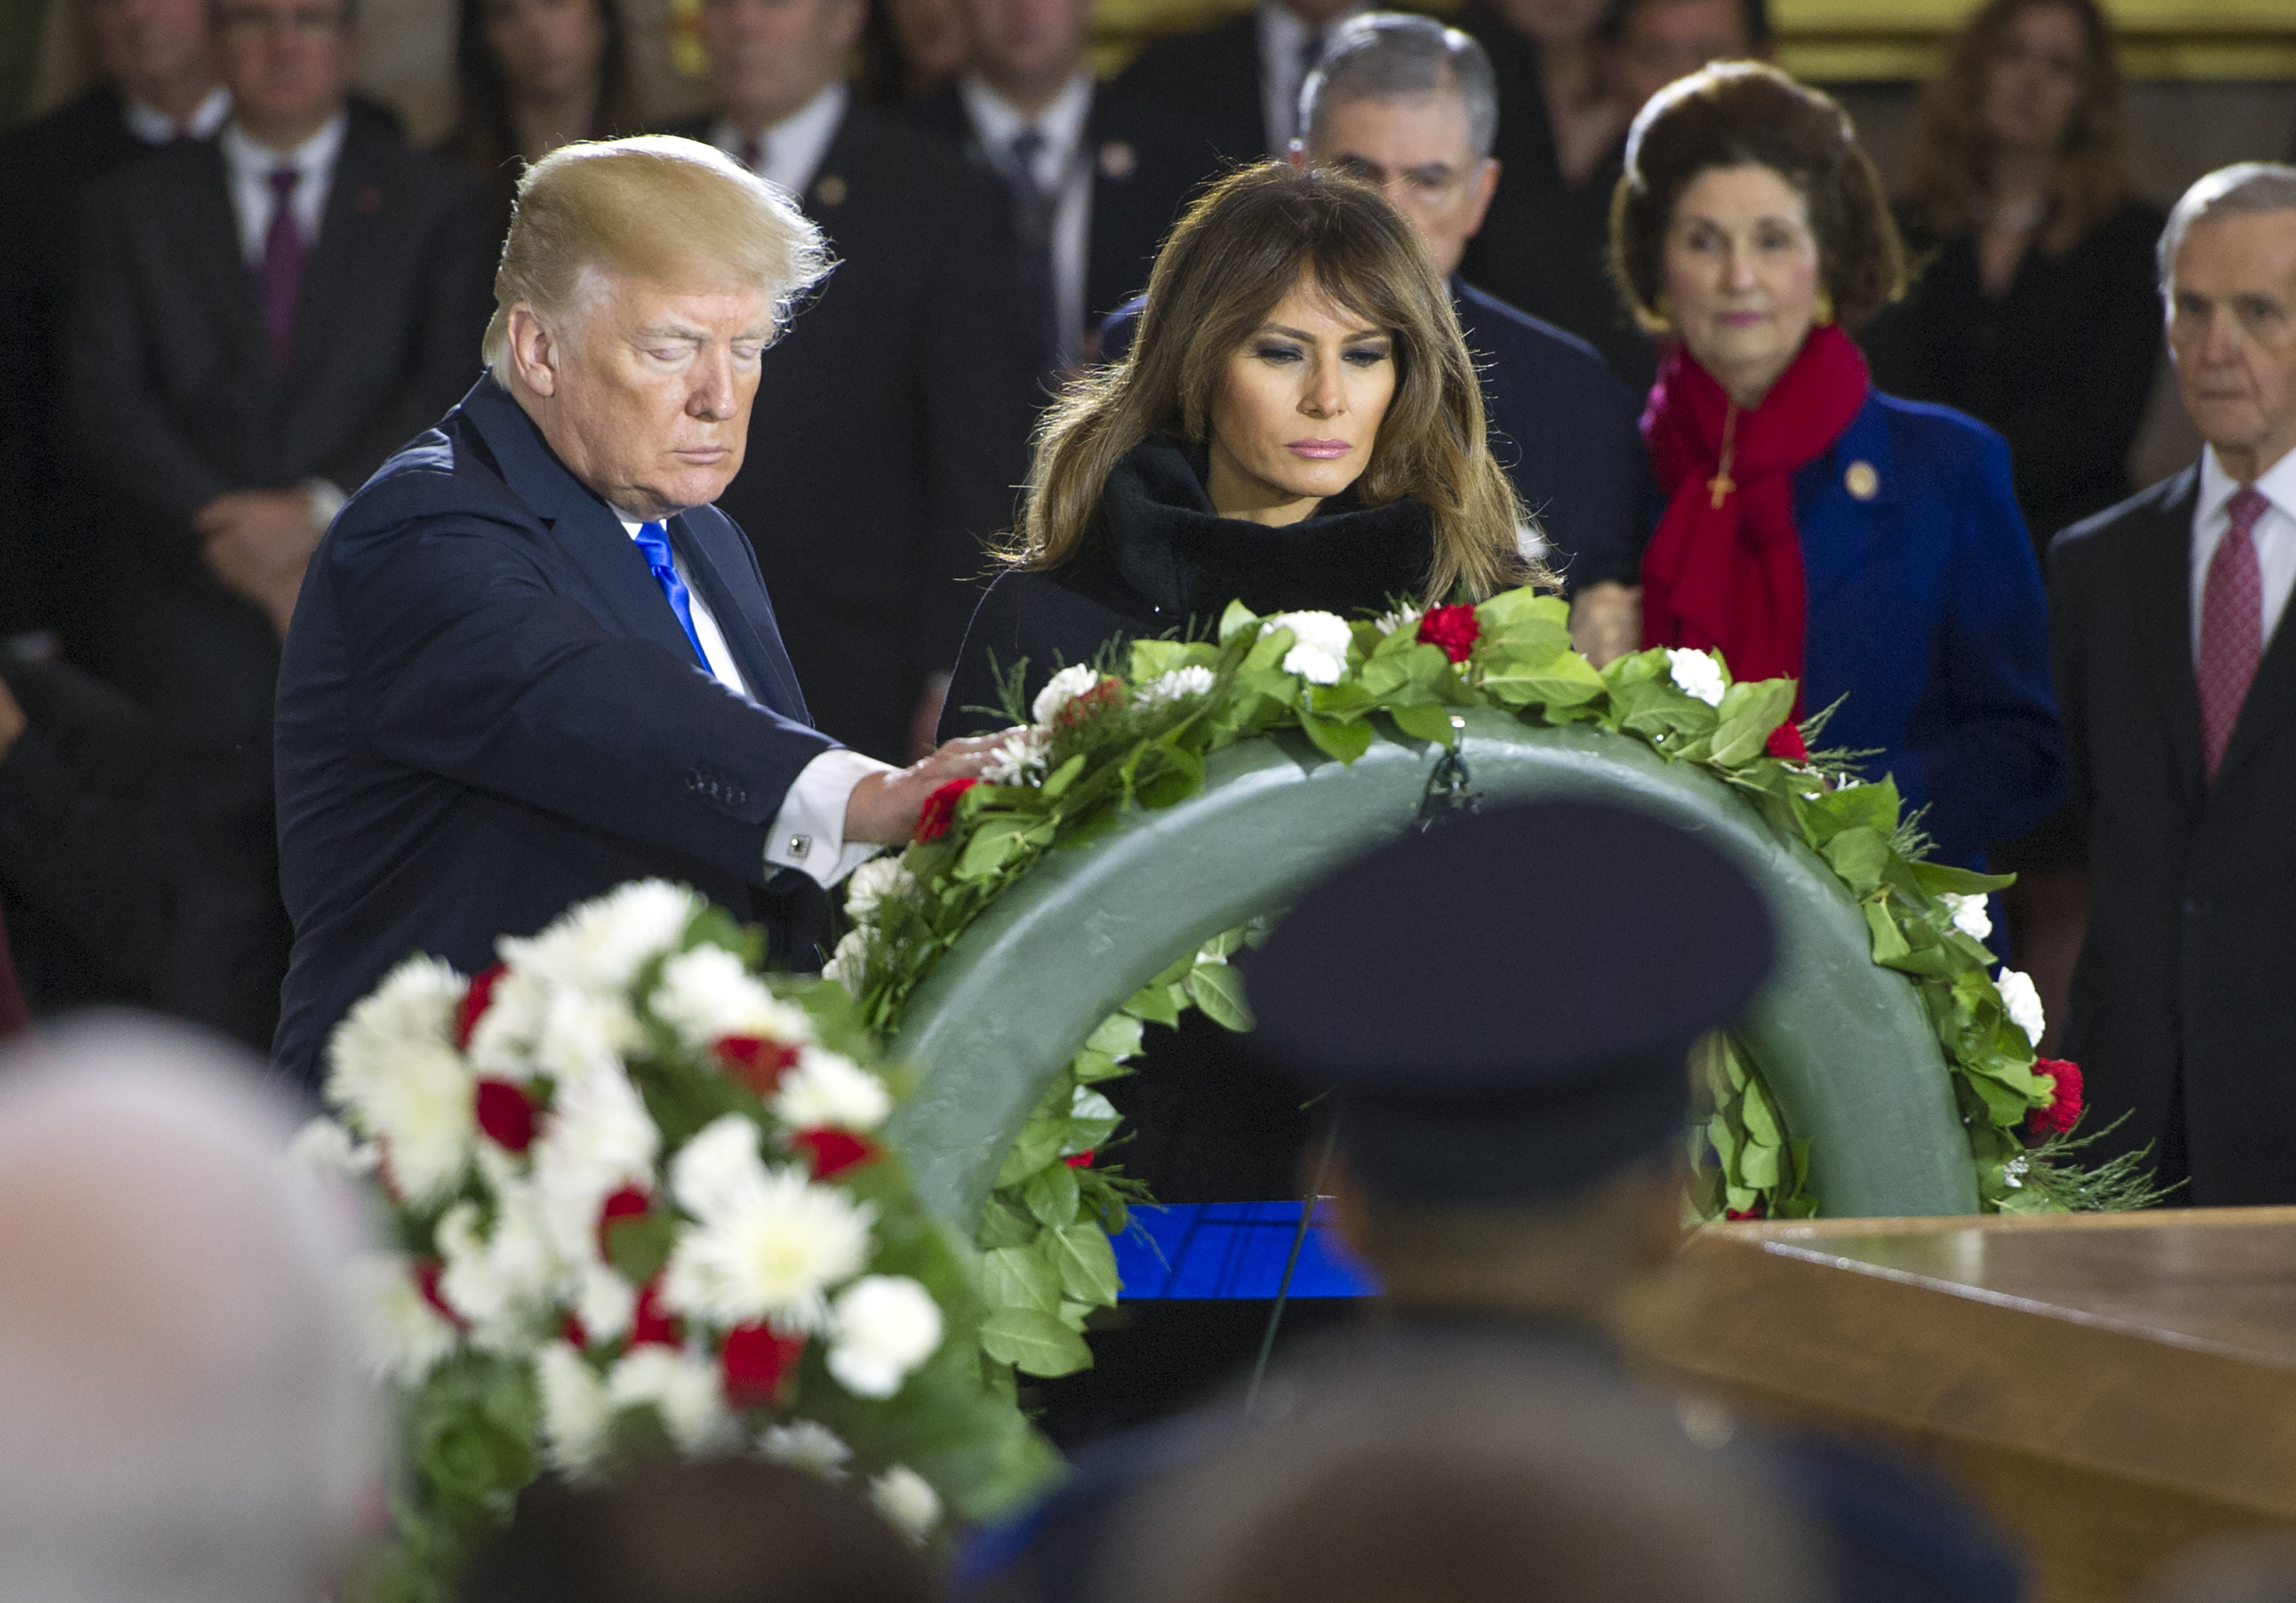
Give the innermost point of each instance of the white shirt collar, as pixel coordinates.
(2276, 483)
(1061, 123)
(796, 145)
(154, 126)
(314, 156)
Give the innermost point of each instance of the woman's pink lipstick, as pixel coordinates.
(1319, 450)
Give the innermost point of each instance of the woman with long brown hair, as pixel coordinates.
(2036, 311)
(533, 75)
(1297, 425)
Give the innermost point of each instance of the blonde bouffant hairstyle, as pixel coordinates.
(673, 210)
(1257, 233)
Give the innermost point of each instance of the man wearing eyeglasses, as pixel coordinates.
(261, 320)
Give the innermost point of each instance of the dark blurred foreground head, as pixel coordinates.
(1464, 1477)
(729, 1531)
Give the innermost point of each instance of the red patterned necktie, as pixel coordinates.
(283, 268)
(2232, 625)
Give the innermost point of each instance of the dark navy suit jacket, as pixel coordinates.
(487, 711)
(1561, 425)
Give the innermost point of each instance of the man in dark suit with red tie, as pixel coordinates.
(261, 320)
(532, 661)
(2176, 675)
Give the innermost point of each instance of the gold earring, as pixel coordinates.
(1660, 318)
(1825, 314)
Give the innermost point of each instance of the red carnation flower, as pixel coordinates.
(575, 1333)
(1077, 709)
(507, 1113)
(759, 1363)
(629, 1202)
(755, 1060)
(1456, 629)
(649, 1327)
(940, 810)
(834, 1151)
(1760, 1210)
(474, 1005)
(1080, 1160)
(1785, 743)
(427, 1272)
(2061, 1114)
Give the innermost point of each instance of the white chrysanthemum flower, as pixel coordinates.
(907, 1501)
(769, 1251)
(1018, 756)
(2021, 1003)
(708, 993)
(1696, 674)
(501, 1281)
(576, 1415)
(1320, 641)
(848, 965)
(805, 1445)
(402, 1335)
(718, 1168)
(1405, 616)
(1059, 690)
(604, 1302)
(1190, 679)
(1971, 915)
(502, 1041)
(583, 1031)
(683, 1388)
(324, 1147)
(875, 883)
(883, 1327)
(600, 945)
(393, 1066)
(830, 1089)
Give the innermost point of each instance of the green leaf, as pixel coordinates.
(1039, 1143)
(1019, 1277)
(1033, 1342)
(1062, 778)
(1344, 741)
(1086, 1262)
(1860, 856)
(1154, 1004)
(1236, 618)
(1118, 1035)
(1889, 940)
(1050, 1196)
(1219, 990)
(639, 1245)
(1748, 712)
(1424, 722)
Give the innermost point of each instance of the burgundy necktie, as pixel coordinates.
(283, 268)
(2231, 625)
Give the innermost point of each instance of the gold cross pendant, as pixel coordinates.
(1721, 485)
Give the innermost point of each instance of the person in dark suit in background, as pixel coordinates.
(159, 86)
(532, 661)
(1407, 105)
(1238, 83)
(1545, 245)
(892, 425)
(261, 320)
(2179, 692)
(1095, 180)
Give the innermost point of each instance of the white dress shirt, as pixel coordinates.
(808, 833)
(249, 165)
(1282, 40)
(2275, 536)
(795, 145)
(155, 127)
(1063, 170)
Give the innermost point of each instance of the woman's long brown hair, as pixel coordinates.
(1950, 144)
(1255, 234)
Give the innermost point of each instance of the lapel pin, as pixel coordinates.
(1119, 160)
(829, 190)
(1862, 481)
(369, 202)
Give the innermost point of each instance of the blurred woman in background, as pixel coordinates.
(533, 75)
(1867, 546)
(909, 48)
(2036, 311)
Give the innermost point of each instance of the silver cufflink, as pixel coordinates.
(800, 844)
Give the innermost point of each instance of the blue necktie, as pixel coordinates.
(654, 541)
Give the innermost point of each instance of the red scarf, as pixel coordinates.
(1725, 567)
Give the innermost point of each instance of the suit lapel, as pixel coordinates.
(339, 260)
(764, 671)
(2161, 576)
(210, 236)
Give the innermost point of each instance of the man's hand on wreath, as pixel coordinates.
(883, 808)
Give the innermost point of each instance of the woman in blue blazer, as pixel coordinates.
(1869, 547)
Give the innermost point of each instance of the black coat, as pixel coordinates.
(487, 711)
(1162, 562)
(1144, 164)
(890, 425)
(2061, 365)
(2183, 1014)
(1546, 250)
(1211, 80)
(1561, 425)
(45, 167)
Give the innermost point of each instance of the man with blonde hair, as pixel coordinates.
(531, 660)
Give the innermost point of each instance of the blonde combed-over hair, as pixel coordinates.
(672, 210)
